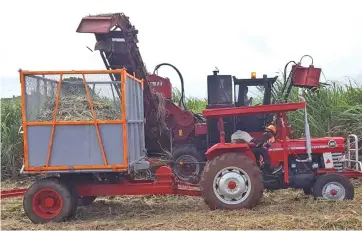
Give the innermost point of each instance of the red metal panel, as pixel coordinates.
(102, 23)
(298, 147)
(273, 108)
(347, 173)
(164, 185)
(13, 193)
(306, 76)
(161, 85)
(95, 25)
(221, 148)
(200, 129)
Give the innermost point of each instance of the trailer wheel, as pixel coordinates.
(334, 187)
(86, 200)
(231, 181)
(193, 162)
(48, 200)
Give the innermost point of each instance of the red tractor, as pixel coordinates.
(303, 160)
(225, 91)
(231, 178)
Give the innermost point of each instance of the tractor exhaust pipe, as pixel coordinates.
(308, 142)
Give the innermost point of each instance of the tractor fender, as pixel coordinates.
(219, 149)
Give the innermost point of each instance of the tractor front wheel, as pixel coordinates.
(333, 187)
(49, 200)
(231, 181)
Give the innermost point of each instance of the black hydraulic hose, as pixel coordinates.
(285, 70)
(285, 80)
(182, 98)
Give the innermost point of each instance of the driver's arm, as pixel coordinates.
(260, 142)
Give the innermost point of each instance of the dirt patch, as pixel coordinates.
(284, 209)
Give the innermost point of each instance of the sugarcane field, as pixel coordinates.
(170, 115)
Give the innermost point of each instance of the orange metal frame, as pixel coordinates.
(124, 75)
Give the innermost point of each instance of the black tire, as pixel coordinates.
(188, 153)
(71, 183)
(57, 187)
(231, 160)
(325, 179)
(307, 191)
(73, 190)
(86, 200)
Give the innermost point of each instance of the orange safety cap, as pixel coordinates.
(272, 128)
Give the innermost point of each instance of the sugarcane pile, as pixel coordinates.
(157, 133)
(74, 105)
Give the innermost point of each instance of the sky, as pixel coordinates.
(237, 37)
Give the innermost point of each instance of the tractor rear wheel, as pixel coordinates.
(333, 187)
(231, 181)
(49, 200)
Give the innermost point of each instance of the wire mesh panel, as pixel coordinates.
(39, 91)
(77, 120)
(75, 101)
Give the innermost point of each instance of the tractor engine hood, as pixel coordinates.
(319, 145)
(333, 144)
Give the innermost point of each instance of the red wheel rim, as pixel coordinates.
(47, 203)
(333, 192)
(231, 185)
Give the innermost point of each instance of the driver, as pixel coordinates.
(247, 101)
(261, 148)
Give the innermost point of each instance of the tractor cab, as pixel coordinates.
(242, 87)
(254, 124)
(225, 91)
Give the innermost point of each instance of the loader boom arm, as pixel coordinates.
(116, 41)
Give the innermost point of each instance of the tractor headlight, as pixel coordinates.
(332, 144)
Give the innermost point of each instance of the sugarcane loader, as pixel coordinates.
(170, 128)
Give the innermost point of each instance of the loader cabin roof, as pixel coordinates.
(272, 108)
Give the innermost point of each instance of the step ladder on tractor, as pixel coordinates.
(352, 160)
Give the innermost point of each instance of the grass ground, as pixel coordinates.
(285, 209)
